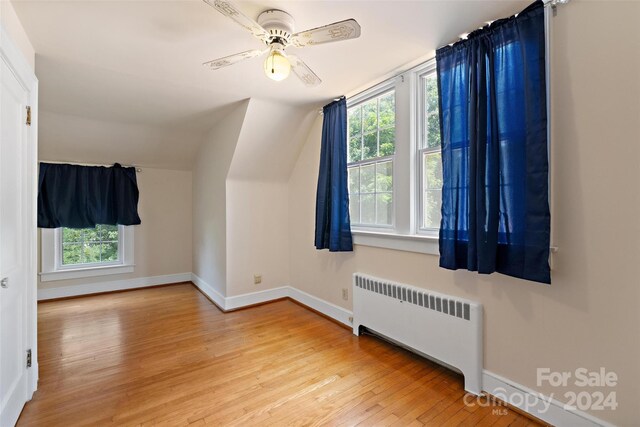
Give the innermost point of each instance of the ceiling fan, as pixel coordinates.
(275, 28)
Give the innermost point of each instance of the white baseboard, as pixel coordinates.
(543, 407)
(333, 311)
(215, 296)
(238, 301)
(115, 285)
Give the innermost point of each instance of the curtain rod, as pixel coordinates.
(321, 110)
(552, 3)
(138, 169)
(405, 68)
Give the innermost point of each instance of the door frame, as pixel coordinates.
(11, 55)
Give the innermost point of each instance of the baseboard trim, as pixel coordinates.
(207, 290)
(237, 302)
(250, 299)
(326, 308)
(536, 404)
(110, 286)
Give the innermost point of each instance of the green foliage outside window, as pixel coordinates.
(372, 134)
(431, 157)
(372, 128)
(90, 245)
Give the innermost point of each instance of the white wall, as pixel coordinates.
(241, 220)
(257, 195)
(589, 316)
(163, 241)
(65, 137)
(257, 235)
(10, 22)
(210, 199)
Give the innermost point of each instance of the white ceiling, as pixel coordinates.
(138, 62)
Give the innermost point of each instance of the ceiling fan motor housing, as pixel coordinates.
(279, 24)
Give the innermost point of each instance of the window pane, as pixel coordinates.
(91, 235)
(368, 209)
(432, 185)
(384, 177)
(387, 142)
(432, 119)
(432, 171)
(355, 149)
(367, 179)
(370, 146)
(91, 252)
(433, 131)
(387, 114)
(432, 214)
(71, 235)
(354, 180)
(71, 253)
(355, 123)
(370, 116)
(384, 203)
(107, 232)
(354, 208)
(90, 245)
(109, 252)
(431, 93)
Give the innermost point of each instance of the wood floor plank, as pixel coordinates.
(167, 356)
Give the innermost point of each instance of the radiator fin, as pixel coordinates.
(448, 306)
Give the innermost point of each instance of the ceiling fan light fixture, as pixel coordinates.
(277, 66)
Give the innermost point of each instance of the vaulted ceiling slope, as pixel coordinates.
(138, 63)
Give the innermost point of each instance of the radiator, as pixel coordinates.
(445, 328)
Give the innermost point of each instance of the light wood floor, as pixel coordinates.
(168, 356)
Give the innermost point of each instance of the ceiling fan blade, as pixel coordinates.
(230, 10)
(343, 30)
(303, 71)
(232, 59)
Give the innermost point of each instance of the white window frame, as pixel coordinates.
(51, 256)
(420, 72)
(405, 235)
(359, 99)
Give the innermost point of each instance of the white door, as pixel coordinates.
(14, 246)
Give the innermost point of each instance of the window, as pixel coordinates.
(372, 141)
(394, 162)
(90, 246)
(429, 154)
(69, 253)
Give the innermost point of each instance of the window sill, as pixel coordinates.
(400, 242)
(78, 273)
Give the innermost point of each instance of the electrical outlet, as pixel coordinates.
(257, 279)
(345, 294)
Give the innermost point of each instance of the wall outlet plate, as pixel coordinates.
(257, 279)
(345, 294)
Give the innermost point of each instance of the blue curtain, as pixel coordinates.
(333, 227)
(493, 120)
(83, 196)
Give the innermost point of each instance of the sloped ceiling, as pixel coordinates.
(270, 140)
(138, 63)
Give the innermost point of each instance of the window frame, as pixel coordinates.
(359, 99)
(405, 235)
(51, 256)
(421, 72)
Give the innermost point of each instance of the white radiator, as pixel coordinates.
(442, 327)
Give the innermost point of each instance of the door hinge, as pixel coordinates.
(28, 116)
(29, 358)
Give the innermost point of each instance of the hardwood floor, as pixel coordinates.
(168, 356)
